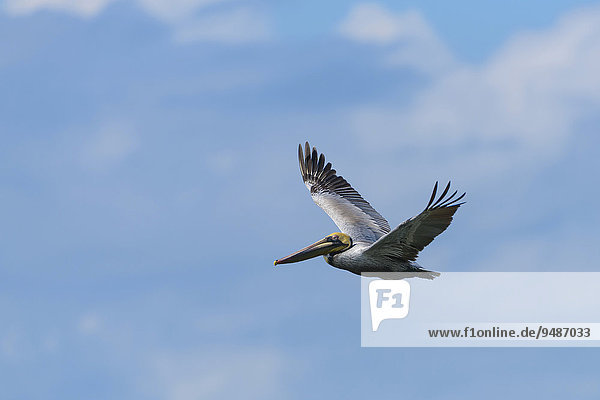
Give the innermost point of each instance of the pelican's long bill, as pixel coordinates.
(320, 248)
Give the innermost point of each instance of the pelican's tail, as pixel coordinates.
(421, 272)
(413, 270)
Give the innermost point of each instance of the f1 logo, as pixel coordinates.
(389, 299)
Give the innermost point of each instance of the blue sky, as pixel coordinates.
(149, 180)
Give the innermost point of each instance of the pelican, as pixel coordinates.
(365, 242)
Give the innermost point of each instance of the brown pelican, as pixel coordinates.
(366, 243)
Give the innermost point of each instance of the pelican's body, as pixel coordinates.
(366, 243)
(356, 260)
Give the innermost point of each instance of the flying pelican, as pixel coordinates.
(366, 243)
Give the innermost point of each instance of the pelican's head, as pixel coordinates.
(334, 243)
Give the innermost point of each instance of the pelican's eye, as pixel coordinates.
(335, 237)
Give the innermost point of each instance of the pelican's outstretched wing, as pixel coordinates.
(413, 235)
(350, 212)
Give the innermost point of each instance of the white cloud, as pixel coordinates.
(229, 373)
(240, 25)
(10, 343)
(89, 324)
(413, 43)
(518, 108)
(168, 10)
(82, 8)
(191, 20)
(109, 146)
(371, 23)
(174, 10)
